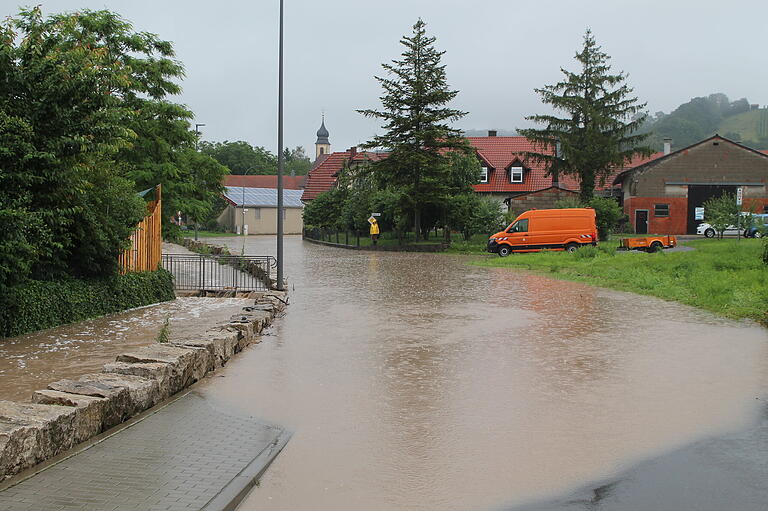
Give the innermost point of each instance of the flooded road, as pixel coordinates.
(414, 381)
(32, 361)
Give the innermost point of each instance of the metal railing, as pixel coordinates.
(221, 272)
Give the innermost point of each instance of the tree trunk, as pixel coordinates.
(417, 223)
(587, 187)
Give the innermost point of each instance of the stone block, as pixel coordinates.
(115, 407)
(188, 365)
(160, 372)
(263, 306)
(143, 392)
(245, 327)
(31, 433)
(90, 412)
(258, 318)
(221, 344)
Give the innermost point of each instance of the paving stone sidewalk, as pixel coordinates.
(187, 455)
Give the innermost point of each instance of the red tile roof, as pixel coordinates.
(497, 152)
(500, 153)
(325, 172)
(269, 181)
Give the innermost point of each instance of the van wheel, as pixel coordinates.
(571, 247)
(656, 246)
(504, 251)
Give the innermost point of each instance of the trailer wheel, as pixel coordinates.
(504, 250)
(571, 247)
(656, 246)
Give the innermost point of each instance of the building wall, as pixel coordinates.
(262, 220)
(705, 163)
(544, 199)
(714, 162)
(675, 223)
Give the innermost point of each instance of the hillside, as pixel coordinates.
(702, 117)
(749, 126)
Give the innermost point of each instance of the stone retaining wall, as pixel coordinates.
(71, 411)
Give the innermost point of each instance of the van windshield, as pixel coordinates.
(519, 226)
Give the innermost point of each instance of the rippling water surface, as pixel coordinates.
(415, 381)
(30, 362)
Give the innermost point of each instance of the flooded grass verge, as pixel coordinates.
(723, 276)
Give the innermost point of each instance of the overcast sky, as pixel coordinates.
(497, 52)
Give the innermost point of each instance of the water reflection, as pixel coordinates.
(414, 381)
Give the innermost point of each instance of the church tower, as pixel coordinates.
(322, 146)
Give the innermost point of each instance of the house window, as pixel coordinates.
(765, 210)
(661, 210)
(484, 175)
(516, 174)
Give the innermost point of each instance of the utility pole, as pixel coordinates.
(280, 159)
(197, 140)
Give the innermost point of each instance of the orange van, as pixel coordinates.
(551, 229)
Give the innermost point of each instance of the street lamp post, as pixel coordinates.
(280, 159)
(197, 139)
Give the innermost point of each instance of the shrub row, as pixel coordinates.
(36, 305)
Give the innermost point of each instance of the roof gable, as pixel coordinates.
(655, 161)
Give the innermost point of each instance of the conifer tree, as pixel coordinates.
(415, 117)
(597, 132)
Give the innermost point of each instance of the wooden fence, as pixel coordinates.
(146, 241)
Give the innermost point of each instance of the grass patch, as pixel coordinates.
(727, 277)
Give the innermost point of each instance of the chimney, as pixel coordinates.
(352, 151)
(492, 133)
(667, 146)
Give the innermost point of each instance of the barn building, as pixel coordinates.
(662, 195)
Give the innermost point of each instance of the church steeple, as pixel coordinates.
(322, 145)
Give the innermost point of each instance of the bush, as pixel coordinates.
(36, 305)
(608, 213)
(765, 250)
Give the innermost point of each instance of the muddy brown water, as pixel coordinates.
(32, 361)
(415, 381)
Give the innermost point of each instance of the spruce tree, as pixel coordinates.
(415, 117)
(597, 132)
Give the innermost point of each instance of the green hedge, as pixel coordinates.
(36, 305)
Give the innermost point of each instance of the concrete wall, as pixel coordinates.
(262, 220)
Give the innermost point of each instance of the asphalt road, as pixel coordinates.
(726, 472)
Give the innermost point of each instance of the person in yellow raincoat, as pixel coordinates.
(374, 231)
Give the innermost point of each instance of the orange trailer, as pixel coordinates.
(648, 244)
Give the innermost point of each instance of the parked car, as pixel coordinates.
(708, 231)
(759, 228)
(546, 229)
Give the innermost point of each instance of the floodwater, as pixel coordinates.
(415, 381)
(30, 362)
